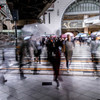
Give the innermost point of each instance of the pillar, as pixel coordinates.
(86, 28)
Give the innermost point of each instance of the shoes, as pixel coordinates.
(23, 78)
(67, 71)
(5, 81)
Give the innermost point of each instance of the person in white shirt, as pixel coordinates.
(68, 51)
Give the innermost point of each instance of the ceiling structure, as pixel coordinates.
(29, 9)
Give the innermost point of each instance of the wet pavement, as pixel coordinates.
(71, 88)
(79, 84)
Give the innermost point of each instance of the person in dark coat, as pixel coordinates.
(55, 61)
(21, 56)
(80, 40)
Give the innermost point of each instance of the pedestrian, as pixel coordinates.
(94, 46)
(38, 51)
(21, 58)
(80, 40)
(32, 47)
(4, 64)
(55, 60)
(68, 51)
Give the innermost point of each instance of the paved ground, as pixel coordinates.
(72, 88)
(81, 61)
(78, 84)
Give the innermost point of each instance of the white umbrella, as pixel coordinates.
(30, 29)
(98, 33)
(69, 33)
(94, 34)
(84, 35)
(37, 29)
(27, 37)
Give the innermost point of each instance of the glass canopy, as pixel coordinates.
(84, 6)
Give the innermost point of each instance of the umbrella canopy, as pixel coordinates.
(37, 29)
(98, 33)
(84, 35)
(94, 34)
(64, 36)
(80, 34)
(54, 36)
(27, 37)
(68, 33)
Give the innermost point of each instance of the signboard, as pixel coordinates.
(12, 31)
(72, 24)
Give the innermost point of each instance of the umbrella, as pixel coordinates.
(80, 34)
(54, 36)
(69, 33)
(98, 33)
(93, 34)
(27, 37)
(84, 35)
(64, 36)
(37, 29)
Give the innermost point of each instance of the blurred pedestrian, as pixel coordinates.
(38, 51)
(94, 47)
(32, 47)
(4, 64)
(21, 58)
(80, 40)
(68, 51)
(55, 58)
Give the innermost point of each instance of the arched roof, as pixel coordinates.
(83, 6)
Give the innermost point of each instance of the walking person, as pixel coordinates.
(68, 51)
(21, 57)
(80, 40)
(38, 51)
(94, 46)
(55, 61)
(4, 64)
(32, 47)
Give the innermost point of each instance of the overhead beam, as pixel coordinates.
(47, 6)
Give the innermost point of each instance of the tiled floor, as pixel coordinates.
(76, 85)
(72, 88)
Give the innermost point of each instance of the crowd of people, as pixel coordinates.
(55, 47)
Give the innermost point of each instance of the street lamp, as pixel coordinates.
(15, 18)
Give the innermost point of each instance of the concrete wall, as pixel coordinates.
(56, 16)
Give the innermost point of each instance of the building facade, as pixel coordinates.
(73, 16)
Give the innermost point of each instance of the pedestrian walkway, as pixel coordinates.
(79, 84)
(72, 88)
(81, 62)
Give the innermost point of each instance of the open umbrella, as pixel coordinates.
(80, 34)
(98, 33)
(69, 33)
(93, 34)
(54, 36)
(37, 29)
(27, 37)
(63, 35)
